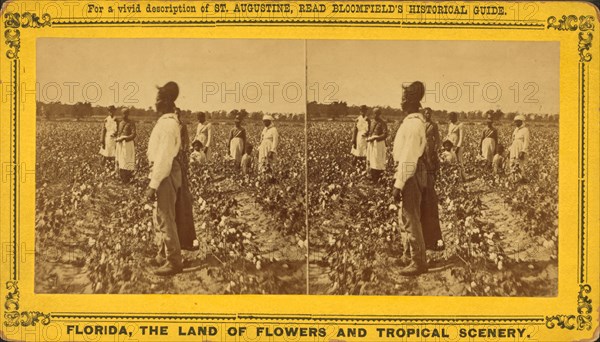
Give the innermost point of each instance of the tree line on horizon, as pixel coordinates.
(341, 109)
(85, 110)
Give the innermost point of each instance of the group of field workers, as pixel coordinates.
(170, 161)
(417, 158)
(117, 143)
(239, 149)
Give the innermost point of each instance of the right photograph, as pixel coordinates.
(433, 167)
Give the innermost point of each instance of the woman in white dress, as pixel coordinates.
(359, 138)
(269, 139)
(204, 133)
(125, 147)
(237, 142)
(376, 149)
(108, 143)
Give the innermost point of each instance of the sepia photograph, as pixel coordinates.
(433, 167)
(295, 171)
(170, 166)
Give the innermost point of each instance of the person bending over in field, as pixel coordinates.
(412, 178)
(376, 150)
(499, 161)
(456, 136)
(269, 139)
(359, 139)
(198, 157)
(125, 150)
(519, 148)
(448, 154)
(237, 142)
(165, 179)
(247, 160)
(204, 133)
(489, 140)
(108, 144)
(184, 215)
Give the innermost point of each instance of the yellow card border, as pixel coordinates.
(573, 24)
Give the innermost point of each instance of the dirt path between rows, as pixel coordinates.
(284, 261)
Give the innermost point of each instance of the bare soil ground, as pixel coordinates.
(533, 265)
(60, 261)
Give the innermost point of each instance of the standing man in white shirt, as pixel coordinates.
(456, 134)
(411, 177)
(520, 145)
(166, 179)
(269, 139)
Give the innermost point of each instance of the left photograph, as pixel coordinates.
(171, 166)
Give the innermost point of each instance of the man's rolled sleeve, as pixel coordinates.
(163, 160)
(161, 168)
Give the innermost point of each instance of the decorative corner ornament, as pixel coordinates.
(584, 308)
(12, 314)
(584, 24)
(14, 21)
(582, 321)
(585, 43)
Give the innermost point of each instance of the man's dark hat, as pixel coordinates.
(112, 108)
(414, 92)
(363, 108)
(168, 92)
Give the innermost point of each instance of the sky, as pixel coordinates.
(458, 75)
(270, 75)
(212, 74)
